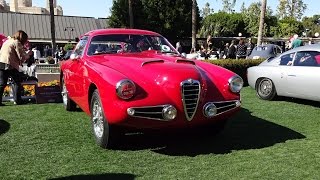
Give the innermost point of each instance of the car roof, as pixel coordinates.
(311, 47)
(120, 31)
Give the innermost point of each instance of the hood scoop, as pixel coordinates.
(152, 61)
(185, 61)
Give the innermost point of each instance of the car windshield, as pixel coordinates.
(128, 43)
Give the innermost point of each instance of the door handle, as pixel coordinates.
(292, 75)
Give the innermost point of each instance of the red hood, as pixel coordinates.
(152, 67)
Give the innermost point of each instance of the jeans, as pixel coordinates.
(16, 87)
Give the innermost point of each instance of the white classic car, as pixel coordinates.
(295, 73)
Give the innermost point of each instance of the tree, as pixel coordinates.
(223, 24)
(130, 13)
(251, 17)
(194, 23)
(206, 10)
(291, 8)
(289, 26)
(173, 19)
(261, 24)
(52, 24)
(312, 24)
(228, 5)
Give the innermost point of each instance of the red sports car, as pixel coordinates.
(136, 79)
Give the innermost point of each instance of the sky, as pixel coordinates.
(101, 8)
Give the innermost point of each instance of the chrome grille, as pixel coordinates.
(149, 112)
(225, 106)
(190, 93)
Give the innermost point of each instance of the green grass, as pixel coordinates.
(266, 140)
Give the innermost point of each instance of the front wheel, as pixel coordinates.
(104, 133)
(68, 104)
(266, 89)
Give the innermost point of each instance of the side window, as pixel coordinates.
(81, 45)
(286, 60)
(278, 50)
(307, 58)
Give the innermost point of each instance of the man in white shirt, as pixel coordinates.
(36, 54)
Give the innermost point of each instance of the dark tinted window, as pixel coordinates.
(287, 59)
(307, 58)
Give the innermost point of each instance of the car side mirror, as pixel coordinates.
(74, 56)
(184, 55)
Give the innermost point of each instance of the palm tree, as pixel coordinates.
(53, 30)
(194, 24)
(261, 24)
(130, 13)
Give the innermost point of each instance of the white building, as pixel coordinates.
(25, 6)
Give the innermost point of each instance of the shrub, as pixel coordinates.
(50, 60)
(68, 47)
(237, 66)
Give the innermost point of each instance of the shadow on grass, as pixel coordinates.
(242, 132)
(300, 101)
(99, 176)
(4, 126)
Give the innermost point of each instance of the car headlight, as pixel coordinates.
(169, 112)
(125, 89)
(210, 110)
(235, 84)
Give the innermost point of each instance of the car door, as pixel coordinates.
(303, 76)
(75, 78)
(285, 64)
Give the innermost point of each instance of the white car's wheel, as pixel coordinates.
(266, 89)
(103, 132)
(68, 104)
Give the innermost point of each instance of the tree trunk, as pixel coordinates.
(194, 24)
(261, 25)
(53, 30)
(130, 14)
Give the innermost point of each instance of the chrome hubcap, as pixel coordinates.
(265, 87)
(97, 118)
(64, 94)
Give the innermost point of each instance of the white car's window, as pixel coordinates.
(307, 58)
(286, 60)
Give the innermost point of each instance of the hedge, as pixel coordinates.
(239, 66)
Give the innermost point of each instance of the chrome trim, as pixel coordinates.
(152, 61)
(165, 109)
(190, 83)
(204, 109)
(231, 79)
(150, 113)
(118, 85)
(221, 107)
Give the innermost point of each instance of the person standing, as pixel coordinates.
(296, 41)
(179, 47)
(241, 50)
(250, 47)
(12, 55)
(231, 54)
(36, 54)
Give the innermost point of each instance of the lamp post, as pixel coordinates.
(70, 30)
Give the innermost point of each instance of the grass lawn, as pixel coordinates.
(266, 140)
